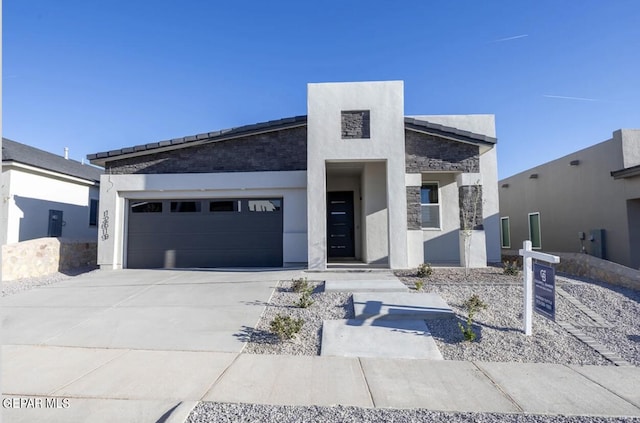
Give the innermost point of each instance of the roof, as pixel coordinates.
(13, 151)
(627, 172)
(274, 125)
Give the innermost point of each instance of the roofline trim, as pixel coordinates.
(46, 172)
(448, 132)
(627, 172)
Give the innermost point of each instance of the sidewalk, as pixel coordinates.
(105, 385)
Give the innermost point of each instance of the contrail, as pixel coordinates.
(510, 38)
(563, 97)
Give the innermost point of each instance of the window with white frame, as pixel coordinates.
(505, 233)
(430, 205)
(534, 230)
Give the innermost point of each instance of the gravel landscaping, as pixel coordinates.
(227, 413)
(499, 327)
(25, 284)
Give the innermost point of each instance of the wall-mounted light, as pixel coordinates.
(533, 176)
(505, 185)
(574, 162)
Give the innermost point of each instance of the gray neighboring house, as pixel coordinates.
(586, 201)
(46, 195)
(353, 181)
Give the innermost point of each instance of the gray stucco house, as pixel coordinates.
(587, 201)
(353, 181)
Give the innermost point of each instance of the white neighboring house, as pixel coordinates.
(46, 195)
(353, 181)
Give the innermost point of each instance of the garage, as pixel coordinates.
(204, 233)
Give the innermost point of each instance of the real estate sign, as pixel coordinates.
(544, 291)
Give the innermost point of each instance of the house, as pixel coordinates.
(46, 195)
(587, 201)
(354, 180)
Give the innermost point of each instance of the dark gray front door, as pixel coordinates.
(340, 239)
(55, 223)
(205, 233)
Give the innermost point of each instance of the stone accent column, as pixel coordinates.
(415, 239)
(473, 251)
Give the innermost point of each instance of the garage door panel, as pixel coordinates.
(204, 239)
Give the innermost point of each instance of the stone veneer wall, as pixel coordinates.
(425, 153)
(44, 256)
(414, 212)
(584, 265)
(284, 150)
(356, 124)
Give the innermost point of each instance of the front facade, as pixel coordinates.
(46, 195)
(353, 181)
(588, 201)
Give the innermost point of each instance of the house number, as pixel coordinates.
(104, 226)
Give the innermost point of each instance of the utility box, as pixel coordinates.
(598, 245)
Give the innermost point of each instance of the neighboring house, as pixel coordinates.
(587, 201)
(45, 195)
(353, 181)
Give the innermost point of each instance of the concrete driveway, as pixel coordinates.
(92, 344)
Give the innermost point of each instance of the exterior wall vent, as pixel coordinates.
(574, 162)
(533, 176)
(505, 185)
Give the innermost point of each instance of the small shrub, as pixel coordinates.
(424, 270)
(305, 299)
(285, 327)
(472, 305)
(419, 284)
(510, 268)
(300, 285)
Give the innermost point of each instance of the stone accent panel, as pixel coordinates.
(356, 124)
(272, 151)
(414, 212)
(44, 256)
(430, 153)
(470, 203)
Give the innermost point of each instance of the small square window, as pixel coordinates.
(224, 206)
(185, 206)
(146, 207)
(356, 124)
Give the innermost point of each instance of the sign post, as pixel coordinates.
(527, 264)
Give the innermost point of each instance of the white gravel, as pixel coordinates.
(228, 413)
(499, 327)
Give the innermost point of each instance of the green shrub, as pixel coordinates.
(305, 299)
(472, 305)
(285, 327)
(424, 270)
(419, 284)
(300, 285)
(510, 268)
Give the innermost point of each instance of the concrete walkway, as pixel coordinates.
(105, 385)
(146, 346)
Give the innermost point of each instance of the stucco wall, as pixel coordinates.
(28, 197)
(282, 150)
(572, 199)
(44, 256)
(385, 102)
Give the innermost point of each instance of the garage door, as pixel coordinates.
(204, 233)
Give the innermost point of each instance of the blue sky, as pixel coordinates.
(98, 75)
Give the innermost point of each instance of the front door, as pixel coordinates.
(340, 239)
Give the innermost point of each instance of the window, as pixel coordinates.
(356, 124)
(534, 230)
(264, 205)
(224, 206)
(505, 233)
(146, 207)
(430, 206)
(185, 206)
(93, 212)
